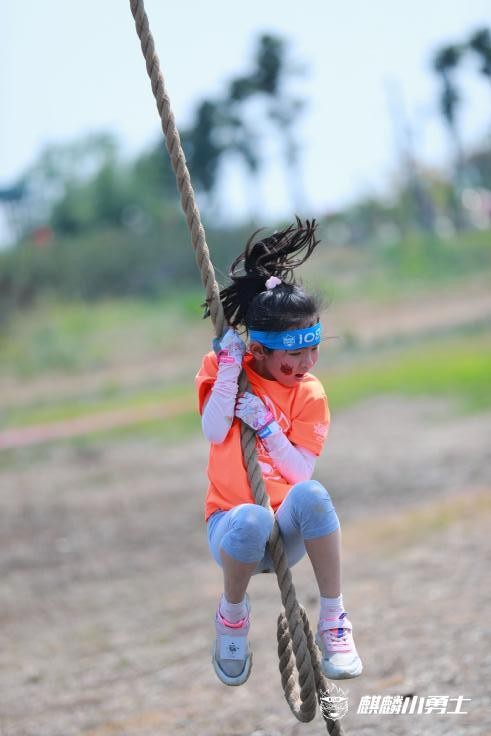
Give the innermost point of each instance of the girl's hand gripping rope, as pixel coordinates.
(230, 348)
(256, 414)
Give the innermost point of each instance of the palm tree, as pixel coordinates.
(445, 63)
(480, 43)
(273, 72)
(203, 148)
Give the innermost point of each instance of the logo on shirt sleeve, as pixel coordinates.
(320, 429)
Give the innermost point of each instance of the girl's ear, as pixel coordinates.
(257, 350)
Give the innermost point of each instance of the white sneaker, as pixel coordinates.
(340, 659)
(231, 653)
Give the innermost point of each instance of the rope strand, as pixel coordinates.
(296, 647)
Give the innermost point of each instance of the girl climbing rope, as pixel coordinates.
(289, 413)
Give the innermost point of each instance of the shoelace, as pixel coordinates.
(335, 637)
(336, 642)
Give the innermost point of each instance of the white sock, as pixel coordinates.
(331, 607)
(233, 612)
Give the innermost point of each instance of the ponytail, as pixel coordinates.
(247, 302)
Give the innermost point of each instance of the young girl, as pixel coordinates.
(288, 411)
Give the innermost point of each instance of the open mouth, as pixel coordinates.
(299, 376)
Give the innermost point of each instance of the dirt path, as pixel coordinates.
(370, 323)
(365, 322)
(92, 423)
(108, 590)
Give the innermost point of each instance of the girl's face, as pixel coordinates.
(288, 367)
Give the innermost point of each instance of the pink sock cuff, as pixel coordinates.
(238, 625)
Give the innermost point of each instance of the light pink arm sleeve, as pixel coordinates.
(294, 463)
(219, 409)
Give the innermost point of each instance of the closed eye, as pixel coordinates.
(315, 348)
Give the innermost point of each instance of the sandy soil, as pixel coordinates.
(108, 590)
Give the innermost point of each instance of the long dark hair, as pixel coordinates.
(248, 303)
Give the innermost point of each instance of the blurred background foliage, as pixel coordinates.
(90, 225)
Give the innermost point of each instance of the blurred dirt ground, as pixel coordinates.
(108, 591)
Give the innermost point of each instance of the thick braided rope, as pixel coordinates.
(174, 147)
(296, 647)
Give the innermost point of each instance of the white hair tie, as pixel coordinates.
(272, 282)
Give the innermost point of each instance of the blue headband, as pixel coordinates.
(289, 340)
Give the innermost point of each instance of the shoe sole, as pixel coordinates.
(340, 675)
(236, 680)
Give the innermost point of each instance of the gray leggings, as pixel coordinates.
(307, 512)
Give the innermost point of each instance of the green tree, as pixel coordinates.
(153, 191)
(203, 147)
(78, 185)
(152, 175)
(230, 125)
(274, 71)
(270, 80)
(445, 64)
(480, 44)
(99, 201)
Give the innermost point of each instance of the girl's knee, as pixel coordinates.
(312, 494)
(315, 509)
(253, 521)
(249, 530)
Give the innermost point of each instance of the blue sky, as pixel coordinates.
(69, 68)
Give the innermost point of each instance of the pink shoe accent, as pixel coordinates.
(231, 653)
(335, 638)
(243, 621)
